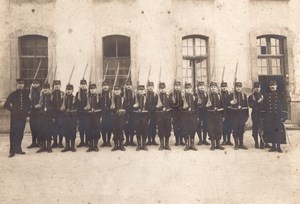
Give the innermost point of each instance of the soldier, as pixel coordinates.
(240, 113)
(69, 107)
(227, 123)
(189, 117)
(45, 121)
(177, 102)
(152, 101)
(255, 102)
(215, 113)
(18, 104)
(118, 118)
(164, 116)
(106, 115)
(57, 100)
(202, 120)
(34, 97)
(275, 114)
(129, 120)
(93, 118)
(141, 118)
(81, 101)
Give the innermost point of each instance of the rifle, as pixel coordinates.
(71, 74)
(127, 77)
(137, 84)
(113, 95)
(159, 103)
(222, 79)
(173, 92)
(85, 70)
(37, 70)
(48, 75)
(149, 72)
(88, 106)
(63, 105)
(104, 76)
(208, 91)
(185, 104)
(234, 80)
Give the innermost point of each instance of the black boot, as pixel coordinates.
(261, 144)
(224, 139)
(218, 146)
(81, 144)
(181, 141)
(278, 148)
(138, 148)
(42, 147)
(161, 147)
(49, 150)
(236, 143)
(154, 142)
(149, 141)
(122, 148)
(73, 145)
(167, 145)
(33, 145)
(187, 146)
(176, 140)
(96, 145)
(67, 148)
(115, 148)
(256, 144)
(273, 148)
(228, 140)
(192, 147)
(60, 144)
(132, 143)
(144, 147)
(200, 138)
(213, 145)
(91, 146)
(242, 146)
(108, 140)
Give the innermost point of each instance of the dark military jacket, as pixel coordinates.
(177, 101)
(46, 105)
(143, 104)
(202, 99)
(105, 101)
(128, 100)
(274, 105)
(34, 97)
(119, 108)
(165, 101)
(192, 102)
(152, 100)
(81, 99)
(217, 104)
(253, 102)
(57, 99)
(18, 103)
(241, 106)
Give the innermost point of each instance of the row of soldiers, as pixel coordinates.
(144, 113)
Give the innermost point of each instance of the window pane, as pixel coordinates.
(123, 47)
(190, 51)
(198, 51)
(203, 51)
(197, 42)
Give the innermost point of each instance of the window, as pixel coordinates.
(116, 51)
(270, 55)
(195, 59)
(33, 52)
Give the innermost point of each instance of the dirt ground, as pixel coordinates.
(252, 176)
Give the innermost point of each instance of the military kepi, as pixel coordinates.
(238, 84)
(256, 84)
(273, 82)
(162, 85)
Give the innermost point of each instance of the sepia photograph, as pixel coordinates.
(149, 101)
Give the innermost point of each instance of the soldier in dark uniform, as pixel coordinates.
(93, 118)
(118, 118)
(189, 117)
(45, 121)
(129, 120)
(69, 108)
(227, 123)
(141, 118)
(177, 102)
(215, 113)
(34, 97)
(105, 104)
(164, 117)
(152, 101)
(19, 105)
(57, 100)
(81, 100)
(202, 120)
(255, 102)
(239, 107)
(274, 111)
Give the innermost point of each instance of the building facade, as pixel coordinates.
(188, 40)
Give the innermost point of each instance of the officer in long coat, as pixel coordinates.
(18, 104)
(240, 114)
(215, 114)
(164, 117)
(275, 113)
